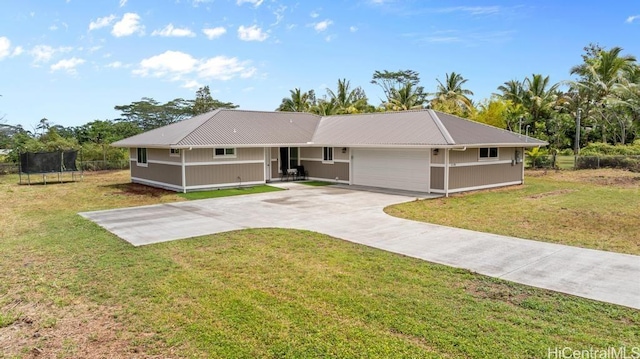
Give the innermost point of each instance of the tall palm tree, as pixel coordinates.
(511, 90)
(452, 91)
(539, 96)
(347, 100)
(298, 101)
(407, 97)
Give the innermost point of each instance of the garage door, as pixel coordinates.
(391, 168)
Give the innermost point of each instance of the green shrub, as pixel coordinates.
(622, 162)
(599, 149)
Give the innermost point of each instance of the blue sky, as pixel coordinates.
(72, 61)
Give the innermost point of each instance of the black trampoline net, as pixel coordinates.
(47, 162)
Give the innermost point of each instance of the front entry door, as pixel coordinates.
(289, 157)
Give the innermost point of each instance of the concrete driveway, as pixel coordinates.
(358, 216)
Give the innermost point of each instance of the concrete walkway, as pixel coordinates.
(358, 216)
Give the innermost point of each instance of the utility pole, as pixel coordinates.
(576, 146)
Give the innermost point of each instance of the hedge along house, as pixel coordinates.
(424, 151)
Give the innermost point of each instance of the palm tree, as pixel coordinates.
(407, 97)
(539, 96)
(511, 90)
(452, 91)
(298, 101)
(602, 80)
(347, 100)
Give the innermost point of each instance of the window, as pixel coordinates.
(488, 153)
(142, 157)
(327, 154)
(174, 152)
(224, 152)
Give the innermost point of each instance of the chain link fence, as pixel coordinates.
(631, 163)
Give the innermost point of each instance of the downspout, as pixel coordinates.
(446, 172)
(184, 172)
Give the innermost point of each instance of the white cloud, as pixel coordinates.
(252, 33)
(169, 62)
(314, 14)
(353, 29)
(68, 65)
(42, 53)
(328, 38)
(18, 50)
(115, 65)
(472, 10)
(53, 27)
(279, 14)
(179, 66)
(5, 46)
(322, 25)
(633, 18)
(129, 25)
(101, 22)
(255, 3)
(123, 3)
(225, 68)
(192, 85)
(171, 31)
(214, 32)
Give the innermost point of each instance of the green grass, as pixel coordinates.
(590, 208)
(267, 293)
(226, 192)
(317, 183)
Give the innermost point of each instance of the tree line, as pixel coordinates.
(605, 95)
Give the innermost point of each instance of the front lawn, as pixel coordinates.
(588, 208)
(70, 289)
(226, 192)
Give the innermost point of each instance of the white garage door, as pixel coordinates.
(391, 168)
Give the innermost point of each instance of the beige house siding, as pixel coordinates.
(473, 155)
(224, 174)
(484, 175)
(158, 172)
(437, 178)
(161, 154)
(242, 154)
(317, 169)
(311, 152)
(316, 153)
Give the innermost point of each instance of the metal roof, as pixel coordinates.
(420, 128)
(467, 132)
(383, 128)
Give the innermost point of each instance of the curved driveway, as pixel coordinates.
(358, 216)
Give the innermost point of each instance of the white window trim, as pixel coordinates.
(146, 162)
(234, 155)
(174, 152)
(324, 160)
(497, 158)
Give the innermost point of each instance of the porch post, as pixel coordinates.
(184, 172)
(446, 172)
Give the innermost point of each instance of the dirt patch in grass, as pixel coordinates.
(34, 330)
(601, 177)
(135, 189)
(551, 193)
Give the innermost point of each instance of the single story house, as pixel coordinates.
(422, 150)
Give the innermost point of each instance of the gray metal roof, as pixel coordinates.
(420, 128)
(230, 127)
(467, 132)
(408, 128)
